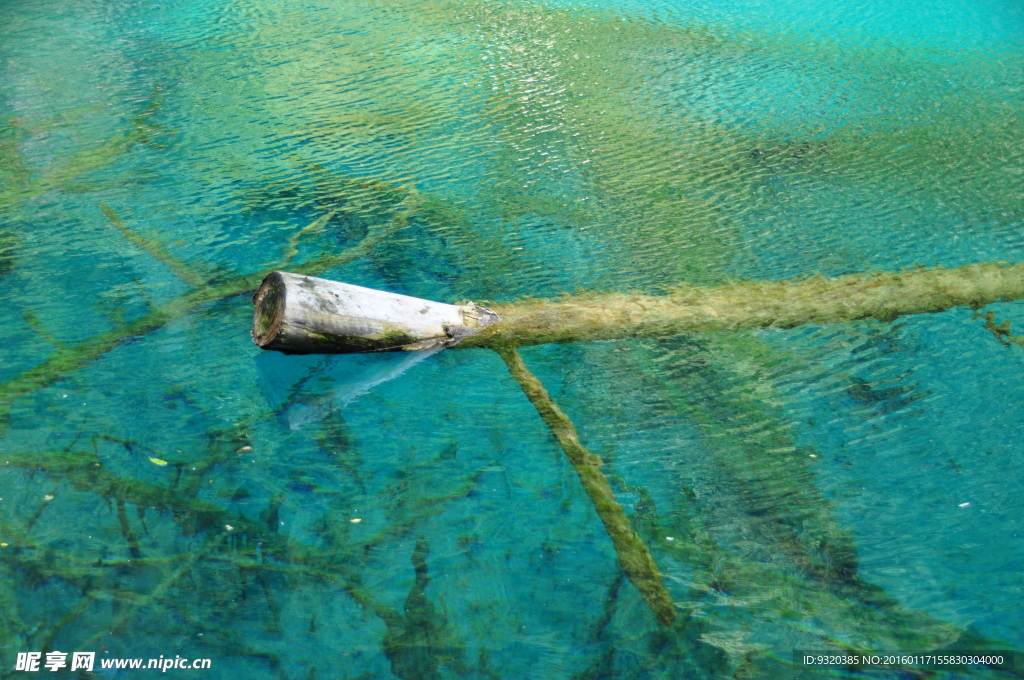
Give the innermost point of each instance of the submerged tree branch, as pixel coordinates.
(291, 249)
(156, 250)
(67, 359)
(634, 557)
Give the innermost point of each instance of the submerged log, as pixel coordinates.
(301, 314)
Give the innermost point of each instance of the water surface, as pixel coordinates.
(166, 488)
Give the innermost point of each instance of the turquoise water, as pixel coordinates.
(166, 488)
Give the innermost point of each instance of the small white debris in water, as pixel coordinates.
(963, 505)
(812, 455)
(356, 520)
(670, 538)
(47, 497)
(65, 396)
(229, 527)
(244, 449)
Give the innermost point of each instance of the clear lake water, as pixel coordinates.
(167, 488)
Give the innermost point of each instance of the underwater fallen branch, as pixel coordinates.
(70, 358)
(758, 453)
(84, 471)
(875, 623)
(741, 306)
(156, 250)
(634, 557)
(291, 249)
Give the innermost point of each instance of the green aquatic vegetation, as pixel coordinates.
(569, 114)
(569, 100)
(566, 100)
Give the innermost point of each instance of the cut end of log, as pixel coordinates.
(298, 314)
(269, 302)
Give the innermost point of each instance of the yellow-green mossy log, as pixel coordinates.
(883, 296)
(687, 309)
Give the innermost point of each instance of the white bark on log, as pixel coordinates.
(299, 314)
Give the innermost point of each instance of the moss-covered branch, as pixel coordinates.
(852, 616)
(291, 249)
(336, 561)
(757, 452)
(634, 557)
(156, 250)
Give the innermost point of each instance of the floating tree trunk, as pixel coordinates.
(300, 314)
(306, 315)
